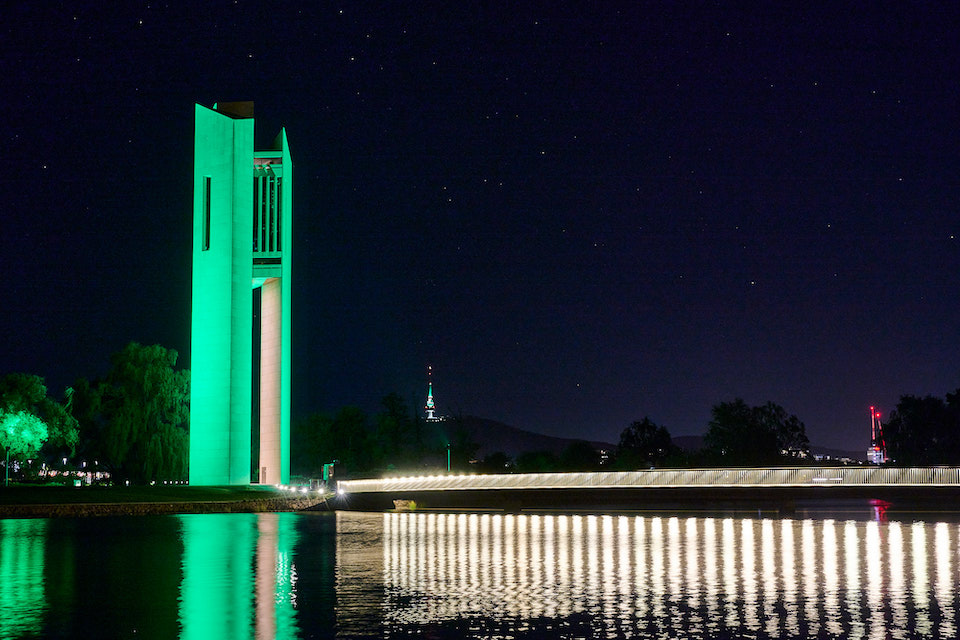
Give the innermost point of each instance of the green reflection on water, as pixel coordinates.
(21, 577)
(282, 539)
(226, 558)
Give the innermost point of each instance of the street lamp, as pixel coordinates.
(448, 457)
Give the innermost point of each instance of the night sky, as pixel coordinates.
(579, 216)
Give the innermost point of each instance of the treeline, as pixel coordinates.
(920, 431)
(396, 439)
(737, 435)
(924, 431)
(34, 425)
(132, 423)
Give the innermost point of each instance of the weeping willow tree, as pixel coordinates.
(143, 415)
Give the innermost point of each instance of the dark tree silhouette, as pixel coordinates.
(142, 414)
(643, 444)
(579, 455)
(751, 436)
(924, 431)
(496, 462)
(537, 462)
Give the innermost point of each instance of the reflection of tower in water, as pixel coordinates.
(215, 597)
(22, 596)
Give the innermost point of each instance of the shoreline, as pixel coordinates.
(95, 509)
(37, 505)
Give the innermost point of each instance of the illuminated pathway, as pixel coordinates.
(817, 482)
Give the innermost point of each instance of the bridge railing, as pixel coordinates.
(666, 479)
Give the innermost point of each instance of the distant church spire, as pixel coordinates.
(430, 407)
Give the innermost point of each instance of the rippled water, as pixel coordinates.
(479, 575)
(623, 576)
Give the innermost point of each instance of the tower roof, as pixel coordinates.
(238, 110)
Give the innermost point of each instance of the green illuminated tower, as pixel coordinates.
(242, 240)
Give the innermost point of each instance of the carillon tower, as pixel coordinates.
(242, 240)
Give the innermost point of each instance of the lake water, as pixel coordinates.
(349, 575)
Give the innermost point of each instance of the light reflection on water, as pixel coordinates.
(192, 576)
(224, 557)
(22, 601)
(363, 575)
(649, 575)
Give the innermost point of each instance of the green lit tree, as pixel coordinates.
(21, 436)
(23, 392)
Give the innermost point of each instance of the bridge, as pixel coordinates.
(655, 487)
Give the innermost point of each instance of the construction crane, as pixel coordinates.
(877, 453)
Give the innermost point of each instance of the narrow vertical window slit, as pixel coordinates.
(206, 214)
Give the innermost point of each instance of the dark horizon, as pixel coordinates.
(578, 217)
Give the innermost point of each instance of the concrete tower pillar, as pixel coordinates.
(270, 374)
(242, 240)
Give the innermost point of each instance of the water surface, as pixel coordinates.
(354, 575)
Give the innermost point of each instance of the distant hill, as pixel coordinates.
(496, 436)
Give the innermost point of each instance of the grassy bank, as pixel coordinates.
(53, 501)
(33, 494)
